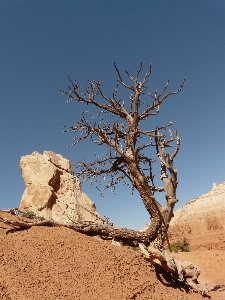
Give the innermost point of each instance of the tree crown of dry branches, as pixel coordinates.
(125, 139)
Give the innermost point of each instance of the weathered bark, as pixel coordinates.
(127, 236)
(183, 271)
(148, 199)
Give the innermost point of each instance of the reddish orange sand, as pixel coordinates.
(207, 252)
(56, 263)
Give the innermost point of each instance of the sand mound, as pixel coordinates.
(58, 263)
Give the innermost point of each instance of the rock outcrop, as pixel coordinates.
(52, 191)
(212, 205)
(203, 216)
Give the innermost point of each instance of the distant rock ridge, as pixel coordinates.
(52, 191)
(213, 200)
(202, 214)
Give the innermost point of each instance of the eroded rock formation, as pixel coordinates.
(212, 205)
(203, 216)
(52, 191)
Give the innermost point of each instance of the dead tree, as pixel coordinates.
(127, 159)
(128, 143)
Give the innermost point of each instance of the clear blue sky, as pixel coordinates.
(43, 41)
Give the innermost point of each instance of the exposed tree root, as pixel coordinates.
(183, 271)
(127, 236)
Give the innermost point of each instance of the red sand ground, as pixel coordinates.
(58, 263)
(207, 252)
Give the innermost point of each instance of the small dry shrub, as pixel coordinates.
(181, 246)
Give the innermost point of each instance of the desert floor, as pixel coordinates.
(57, 263)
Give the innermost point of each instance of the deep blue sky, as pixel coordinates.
(43, 41)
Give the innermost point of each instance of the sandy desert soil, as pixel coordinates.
(207, 252)
(56, 263)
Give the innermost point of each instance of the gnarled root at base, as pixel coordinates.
(183, 271)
